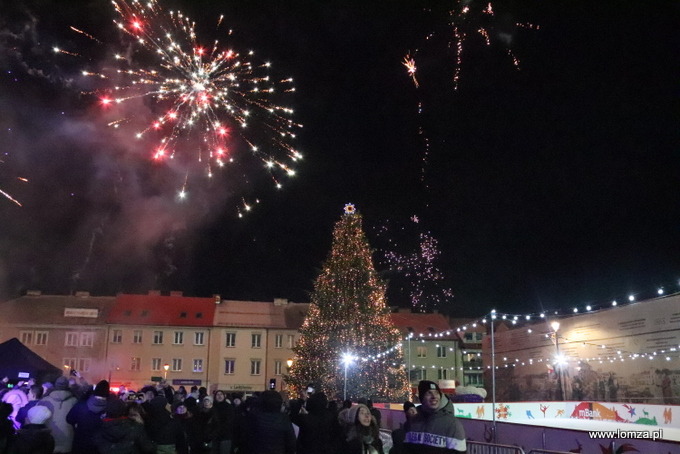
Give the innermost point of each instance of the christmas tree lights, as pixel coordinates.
(348, 315)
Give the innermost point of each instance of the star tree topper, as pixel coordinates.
(350, 208)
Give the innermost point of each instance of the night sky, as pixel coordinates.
(550, 186)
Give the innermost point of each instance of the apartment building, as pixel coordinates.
(68, 331)
(471, 349)
(431, 348)
(153, 337)
(253, 343)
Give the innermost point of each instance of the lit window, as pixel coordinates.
(198, 365)
(229, 366)
(70, 364)
(422, 352)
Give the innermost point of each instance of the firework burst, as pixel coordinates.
(468, 19)
(213, 104)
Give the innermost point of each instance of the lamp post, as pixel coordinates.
(166, 367)
(289, 363)
(347, 358)
(558, 360)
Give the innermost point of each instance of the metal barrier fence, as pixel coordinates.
(543, 451)
(476, 447)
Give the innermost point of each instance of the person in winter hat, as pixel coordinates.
(34, 437)
(60, 401)
(435, 429)
(85, 417)
(362, 435)
(119, 434)
(399, 435)
(318, 428)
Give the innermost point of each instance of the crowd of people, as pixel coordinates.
(72, 416)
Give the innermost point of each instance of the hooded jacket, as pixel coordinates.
(122, 436)
(33, 439)
(435, 432)
(60, 402)
(85, 417)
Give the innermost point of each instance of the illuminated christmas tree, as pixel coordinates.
(348, 316)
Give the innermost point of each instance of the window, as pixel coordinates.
(441, 374)
(84, 364)
(127, 313)
(145, 313)
(183, 315)
(229, 366)
(277, 367)
(418, 374)
(41, 338)
(422, 352)
(86, 339)
(199, 314)
(157, 337)
(199, 338)
(231, 340)
(70, 363)
(441, 352)
(71, 339)
(198, 365)
(27, 337)
(255, 367)
(179, 338)
(137, 336)
(176, 364)
(155, 364)
(278, 343)
(291, 341)
(136, 363)
(117, 336)
(256, 340)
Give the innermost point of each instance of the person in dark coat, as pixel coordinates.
(35, 393)
(268, 430)
(163, 430)
(34, 437)
(362, 432)
(222, 424)
(121, 435)
(86, 418)
(6, 426)
(318, 427)
(374, 412)
(398, 435)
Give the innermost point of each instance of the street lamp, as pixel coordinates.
(559, 360)
(166, 367)
(347, 358)
(289, 363)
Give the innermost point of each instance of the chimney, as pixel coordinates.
(154, 293)
(34, 293)
(176, 293)
(280, 302)
(217, 298)
(82, 294)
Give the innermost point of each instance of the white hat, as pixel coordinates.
(38, 414)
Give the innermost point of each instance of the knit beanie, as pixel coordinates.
(426, 385)
(38, 414)
(115, 408)
(351, 415)
(408, 405)
(102, 389)
(61, 384)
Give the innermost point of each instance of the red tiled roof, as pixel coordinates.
(424, 324)
(162, 310)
